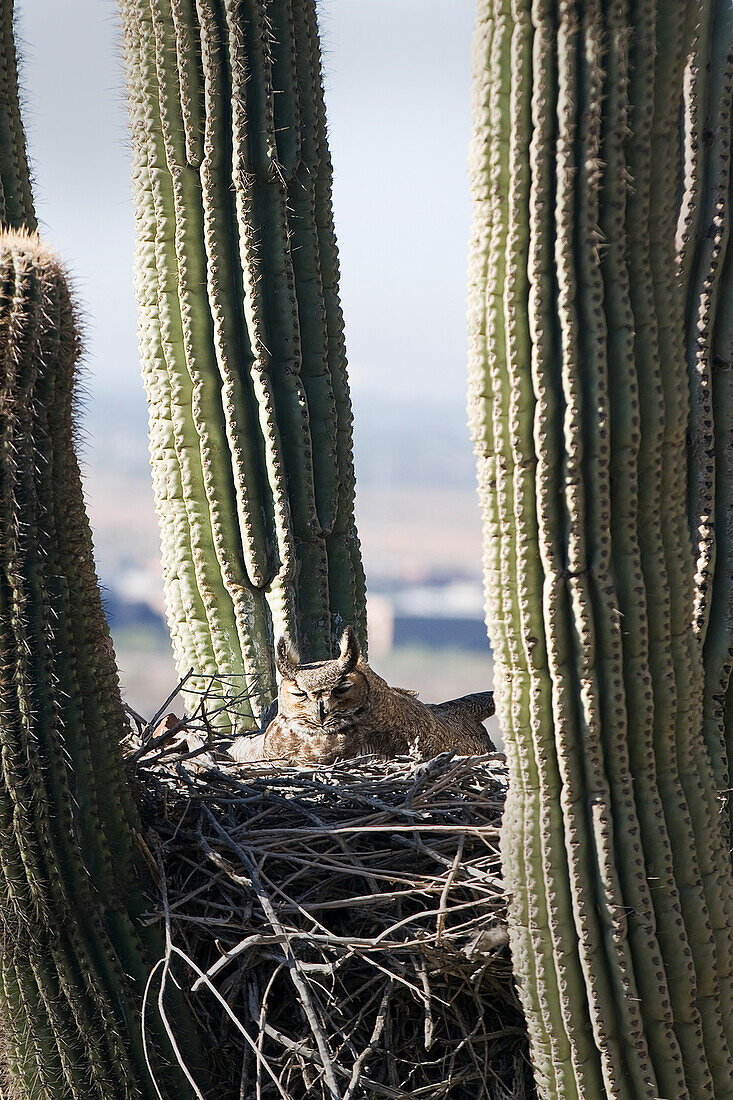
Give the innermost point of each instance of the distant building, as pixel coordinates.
(447, 614)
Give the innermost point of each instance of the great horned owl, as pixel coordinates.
(340, 709)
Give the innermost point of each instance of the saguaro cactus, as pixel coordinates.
(72, 965)
(241, 334)
(600, 406)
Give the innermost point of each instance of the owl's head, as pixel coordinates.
(324, 694)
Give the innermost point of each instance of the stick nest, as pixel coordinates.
(340, 931)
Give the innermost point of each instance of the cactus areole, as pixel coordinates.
(600, 402)
(241, 336)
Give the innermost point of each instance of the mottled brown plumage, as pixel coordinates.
(340, 709)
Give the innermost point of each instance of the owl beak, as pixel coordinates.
(321, 711)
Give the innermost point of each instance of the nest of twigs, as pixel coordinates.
(340, 930)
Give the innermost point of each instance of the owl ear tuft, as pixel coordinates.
(286, 658)
(350, 650)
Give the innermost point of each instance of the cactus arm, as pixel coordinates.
(663, 418)
(191, 396)
(641, 849)
(184, 608)
(300, 167)
(16, 205)
(281, 593)
(599, 903)
(347, 582)
(219, 429)
(225, 298)
(275, 306)
(190, 625)
(537, 894)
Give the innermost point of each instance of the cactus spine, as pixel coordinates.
(72, 965)
(241, 334)
(600, 343)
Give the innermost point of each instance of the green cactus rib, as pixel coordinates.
(631, 345)
(73, 964)
(655, 652)
(557, 1065)
(715, 344)
(232, 184)
(710, 99)
(515, 856)
(511, 688)
(601, 147)
(687, 760)
(715, 980)
(298, 158)
(718, 651)
(192, 105)
(598, 902)
(16, 200)
(528, 249)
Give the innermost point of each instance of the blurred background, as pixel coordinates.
(397, 79)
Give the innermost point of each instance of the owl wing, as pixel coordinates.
(271, 745)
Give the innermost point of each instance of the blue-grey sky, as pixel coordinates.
(397, 85)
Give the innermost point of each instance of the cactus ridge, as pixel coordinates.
(635, 532)
(714, 348)
(596, 150)
(612, 829)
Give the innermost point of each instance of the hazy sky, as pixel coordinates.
(397, 89)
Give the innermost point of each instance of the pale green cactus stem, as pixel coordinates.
(73, 964)
(241, 336)
(612, 836)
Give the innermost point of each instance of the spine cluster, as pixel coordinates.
(601, 409)
(241, 334)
